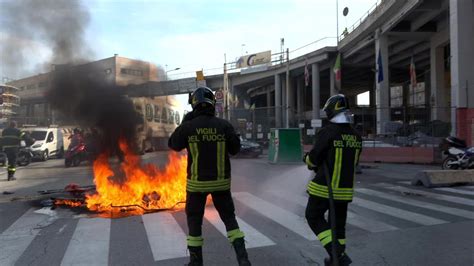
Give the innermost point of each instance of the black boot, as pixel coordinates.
(195, 256)
(241, 252)
(11, 177)
(344, 260)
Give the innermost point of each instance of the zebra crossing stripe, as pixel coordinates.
(89, 245)
(453, 199)
(421, 204)
(16, 239)
(453, 190)
(283, 217)
(253, 238)
(356, 220)
(167, 239)
(398, 213)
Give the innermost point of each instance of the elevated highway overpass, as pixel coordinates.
(436, 35)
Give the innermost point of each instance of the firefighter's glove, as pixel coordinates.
(308, 162)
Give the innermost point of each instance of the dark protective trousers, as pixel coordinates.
(11, 153)
(195, 204)
(321, 227)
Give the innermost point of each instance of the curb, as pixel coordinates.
(443, 178)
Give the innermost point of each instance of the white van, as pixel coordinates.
(48, 142)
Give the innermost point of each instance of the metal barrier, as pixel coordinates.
(406, 126)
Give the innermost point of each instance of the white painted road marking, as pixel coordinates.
(16, 239)
(283, 217)
(453, 199)
(167, 239)
(453, 190)
(253, 238)
(398, 213)
(421, 204)
(357, 220)
(89, 244)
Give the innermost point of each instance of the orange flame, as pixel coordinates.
(72, 203)
(143, 187)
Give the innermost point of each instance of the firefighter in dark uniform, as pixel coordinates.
(11, 140)
(338, 146)
(209, 141)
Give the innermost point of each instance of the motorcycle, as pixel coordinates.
(75, 155)
(24, 156)
(458, 155)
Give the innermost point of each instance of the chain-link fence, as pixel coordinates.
(404, 127)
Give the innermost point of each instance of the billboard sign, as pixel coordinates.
(254, 59)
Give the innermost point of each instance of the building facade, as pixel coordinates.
(116, 70)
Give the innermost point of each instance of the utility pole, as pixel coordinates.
(337, 21)
(287, 107)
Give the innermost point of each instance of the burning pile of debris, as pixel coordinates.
(133, 189)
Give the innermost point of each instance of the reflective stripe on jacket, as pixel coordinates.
(209, 141)
(11, 138)
(340, 146)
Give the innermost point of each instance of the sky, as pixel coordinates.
(195, 34)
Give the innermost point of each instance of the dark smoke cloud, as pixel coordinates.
(79, 92)
(91, 101)
(57, 24)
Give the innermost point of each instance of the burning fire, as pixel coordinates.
(142, 187)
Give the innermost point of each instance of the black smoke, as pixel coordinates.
(58, 25)
(78, 93)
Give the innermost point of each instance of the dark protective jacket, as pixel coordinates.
(11, 138)
(339, 145)
(209, 141)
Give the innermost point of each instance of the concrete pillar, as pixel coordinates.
(284, 104)
(439, 98)
(461, 23)
(316, 90)
(299, 98)
(269, 101)
(382, 93)
(290, 99)
(277, 101)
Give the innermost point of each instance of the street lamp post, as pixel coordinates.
(166, 71)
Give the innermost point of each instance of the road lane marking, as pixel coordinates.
(453, 199)
(356, 220)
(396, 212)
(253, 237)
(421, 204)
(89, 244)
(166, 238)
(458, 191)
(283, 217)
(16, 238)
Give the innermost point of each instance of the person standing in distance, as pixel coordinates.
(11, 141)
(338, 146)
(209, 141)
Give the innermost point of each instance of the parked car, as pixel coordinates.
(249, 149)
(49, 142)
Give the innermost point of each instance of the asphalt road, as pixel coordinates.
(390, 222)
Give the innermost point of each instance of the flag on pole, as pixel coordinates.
(379, 68)
(412, 73)
(306, 74)
(337, 68)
